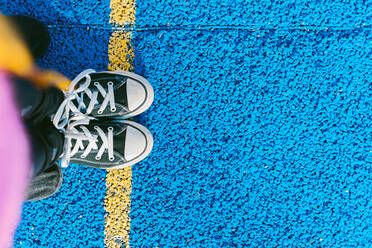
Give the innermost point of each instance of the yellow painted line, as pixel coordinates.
(123, 12)
(119, 182)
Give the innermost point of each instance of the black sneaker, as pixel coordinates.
(108, 94)
(107, 145)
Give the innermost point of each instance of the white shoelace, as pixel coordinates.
(73, 134)
(62, 116)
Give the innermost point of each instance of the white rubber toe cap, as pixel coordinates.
(135, 143)
(136, 94)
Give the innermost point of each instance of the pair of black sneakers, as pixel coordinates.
(94, 119)
(93, 116)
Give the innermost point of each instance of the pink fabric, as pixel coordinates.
(14, 163)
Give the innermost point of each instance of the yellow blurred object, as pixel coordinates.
(14, 55)
(15, 58)
(50, 77)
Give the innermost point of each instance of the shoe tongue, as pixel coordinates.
(118, 139)
(121, 95)
(120, 89)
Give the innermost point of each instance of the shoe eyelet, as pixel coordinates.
(83, 156)
(110, 83)
(113, 109)
(98, 158)
(111, 158)
(110, 129)
(100, 112)
(96, 83)
(95, 127)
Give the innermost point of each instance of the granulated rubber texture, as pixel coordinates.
(261, 122)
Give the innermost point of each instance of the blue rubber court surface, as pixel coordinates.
(262, 122)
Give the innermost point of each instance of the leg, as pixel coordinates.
(47, 146)
(34, 103)
(46, 184)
